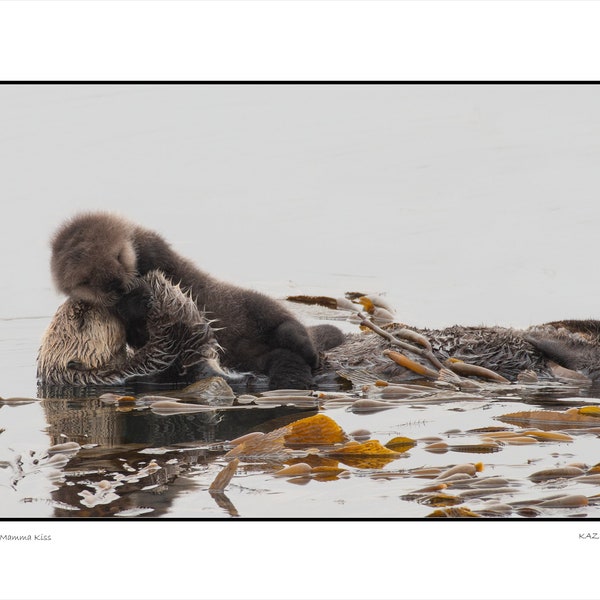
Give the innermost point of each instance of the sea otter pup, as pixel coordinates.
(86, 344)
(96, 257)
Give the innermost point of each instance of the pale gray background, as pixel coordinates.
(463, 203)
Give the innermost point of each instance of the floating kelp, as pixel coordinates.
(589, 410)
(485, 492)
(367, 405)
(567, 501)
(287, 400)
(470, 469)
(548, 436)
(66, 448)
(468, 370)
(481, 448)
(411, 365)
(440, 500)
(316, 430)
(17, 401)
(550, 418)
(298, 469)
(222, 480)
(400, 444)
(172, 407)
(438, 447)
(558, 473)
(319, 429)
(213, 390)
(369, 448)
(459, 512)
(366, 455)
(326, 301)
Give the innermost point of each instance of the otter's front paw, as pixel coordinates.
(133, 308)
(288, 370)
(293, 336)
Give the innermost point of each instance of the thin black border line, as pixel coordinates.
(167, 519)
(300, 82)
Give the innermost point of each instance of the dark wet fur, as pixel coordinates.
(256, 333)
(132, 309)
(572, 344)
(326, 336)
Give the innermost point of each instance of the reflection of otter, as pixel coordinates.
(95, 257)
(571, 344)
(86, 345)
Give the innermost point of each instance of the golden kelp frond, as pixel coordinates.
(467, 370)
(485, 447)
(440, 500)
(470, 469)
(553, 436)
(400, 444)
(295, 470)
(368, 455)
(314, 460)
(224, 476)
(318, 429)
(318, 300)
(272, 443)
(572, 416)
(411, 365)
(370, 448)
(459, 512)
(593, 411)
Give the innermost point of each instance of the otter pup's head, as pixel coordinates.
(93, 258)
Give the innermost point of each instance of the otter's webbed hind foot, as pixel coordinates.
(288, 370)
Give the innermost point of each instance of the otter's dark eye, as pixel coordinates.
(85, 282)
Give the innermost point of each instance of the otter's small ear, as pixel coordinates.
(127, 257)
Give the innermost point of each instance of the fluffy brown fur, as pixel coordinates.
(86, 344)
(96, 257)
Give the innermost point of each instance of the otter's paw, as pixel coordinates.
(288, 370)
(294, 337)
(132, 309)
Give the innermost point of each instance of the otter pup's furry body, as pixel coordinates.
(96, 256)
(86, 344)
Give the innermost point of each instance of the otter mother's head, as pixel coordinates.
(93, 258)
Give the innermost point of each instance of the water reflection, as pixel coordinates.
(132, 459)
